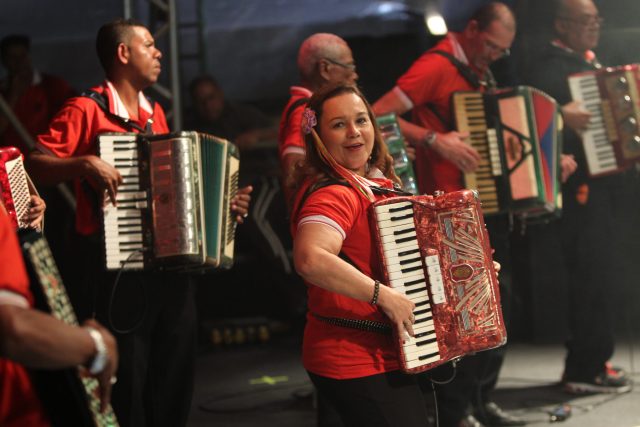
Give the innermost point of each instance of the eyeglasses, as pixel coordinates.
(495, 48)
(585, 21)
(351, 67)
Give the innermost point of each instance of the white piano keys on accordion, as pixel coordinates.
(403, 262)
(598, 149)
(123, 231)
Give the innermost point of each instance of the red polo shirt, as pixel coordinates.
(290, 136)
(36, 106)
(335, 351)
(73, 131)
(428, 84)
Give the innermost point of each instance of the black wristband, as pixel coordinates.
(376, 292)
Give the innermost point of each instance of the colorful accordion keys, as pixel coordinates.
(173, 207)
(435, 250)
(518, 134)
(611, 141)
(14, 189)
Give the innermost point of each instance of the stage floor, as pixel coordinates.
(264, 385)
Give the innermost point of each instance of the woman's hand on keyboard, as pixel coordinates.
(398, 308)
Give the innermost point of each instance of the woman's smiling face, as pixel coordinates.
(347, 131)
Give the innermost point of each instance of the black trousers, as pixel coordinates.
(589, 241)
(392, 399)
(476, 375)
(153, 317)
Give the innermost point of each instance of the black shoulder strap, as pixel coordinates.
(293, 106)
(488, 80)
(101, 100)
(464, 70)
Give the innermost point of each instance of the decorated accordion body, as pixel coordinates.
(70, 396)
(173, 207)
(612, 139)
(435, 250)
(518, 134)
(14, 188)
(392, 135)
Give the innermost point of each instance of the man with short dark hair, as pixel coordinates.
(460, 62)
(152, 314)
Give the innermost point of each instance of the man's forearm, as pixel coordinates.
(47, 170)
(38, 340)
(413, 133)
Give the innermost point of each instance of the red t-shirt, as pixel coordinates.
(35, 108)
(73, 132)
(429, 83)
(334, 351)
(19, 405)
(290, 137)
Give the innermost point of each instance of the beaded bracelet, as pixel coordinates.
(376, 292)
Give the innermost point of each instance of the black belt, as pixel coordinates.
(360, 324)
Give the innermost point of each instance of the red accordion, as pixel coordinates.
(611, 142)
(435, 250)
(13, 185)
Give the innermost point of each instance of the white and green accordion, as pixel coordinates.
(173, 206)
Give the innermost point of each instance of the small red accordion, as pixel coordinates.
(435, 250)
(14, 189)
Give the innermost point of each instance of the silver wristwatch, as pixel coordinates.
(100, 359)
(429, 138)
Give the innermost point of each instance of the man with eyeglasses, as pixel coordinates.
(589, 221)
(323, 59)
(460, 62)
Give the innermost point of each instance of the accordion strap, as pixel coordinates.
(360, 324)
(102, 102)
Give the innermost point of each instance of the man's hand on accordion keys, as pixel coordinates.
(399, 309)
(104, 178)
(575, 116)
(452, 146)
(240, 203)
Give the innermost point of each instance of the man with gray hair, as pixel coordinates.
(323, 59)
